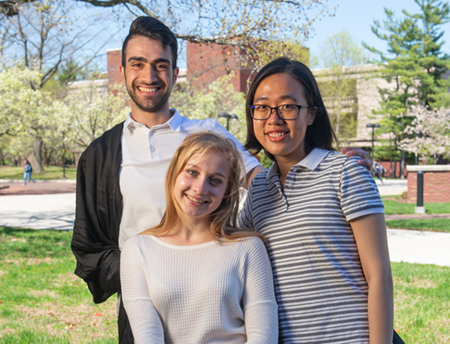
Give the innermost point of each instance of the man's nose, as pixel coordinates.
(149, 75)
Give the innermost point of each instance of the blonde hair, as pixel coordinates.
(224, 218)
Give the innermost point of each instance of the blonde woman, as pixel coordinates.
(196, 278)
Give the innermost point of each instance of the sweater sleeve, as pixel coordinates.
(144, 319)
(260, 307)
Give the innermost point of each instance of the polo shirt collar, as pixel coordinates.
(174, 122)
(311, 161)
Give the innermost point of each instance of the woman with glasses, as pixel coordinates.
(321, 214)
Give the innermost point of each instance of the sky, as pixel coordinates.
(355, 16)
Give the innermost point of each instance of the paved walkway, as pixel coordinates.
(42, 187)
(392, 187)
(48, 205)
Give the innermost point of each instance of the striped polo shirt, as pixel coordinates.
(319, 283)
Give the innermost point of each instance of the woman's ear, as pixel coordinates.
(312, 115)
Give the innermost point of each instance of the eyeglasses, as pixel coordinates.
(286, 112)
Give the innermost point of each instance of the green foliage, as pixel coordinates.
(435, 225)
(220, 96)
(265, 160)
(414, 66)
(337, 86)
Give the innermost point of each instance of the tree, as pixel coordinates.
(44, 35)
(220, 96)
(414, 65)
(338, 87)
(429, 132)
(90, 110)
(25, 111)
(244, 24)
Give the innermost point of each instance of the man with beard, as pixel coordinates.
(120, 178)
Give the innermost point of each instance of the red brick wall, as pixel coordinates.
(436, 187)
(114, 60)
(207, 62)
(387, 167)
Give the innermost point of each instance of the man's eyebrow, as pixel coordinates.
(137, 58)
(161, 59)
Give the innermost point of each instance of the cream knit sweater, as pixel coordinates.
(207, 293)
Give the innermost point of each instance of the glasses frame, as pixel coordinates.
(299, 107)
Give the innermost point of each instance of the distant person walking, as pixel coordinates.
(27, 172)
(378, 170)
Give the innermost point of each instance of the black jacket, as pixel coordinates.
(99, 205)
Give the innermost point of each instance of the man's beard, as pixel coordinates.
(158, 103)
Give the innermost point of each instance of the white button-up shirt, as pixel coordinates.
(146, 155)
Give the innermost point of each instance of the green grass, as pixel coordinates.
(51, 172)
(392, 207)
(42, 301)
(437, 225)
(422, 303)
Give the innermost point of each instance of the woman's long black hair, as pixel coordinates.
(320, 134)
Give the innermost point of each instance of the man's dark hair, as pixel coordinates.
(152, 28)
(320, 133)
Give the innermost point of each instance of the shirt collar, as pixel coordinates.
(311, 161)
(174, 122)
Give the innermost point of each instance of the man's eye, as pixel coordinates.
(161, 67)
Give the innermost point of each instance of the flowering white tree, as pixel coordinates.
(429, 133)
(25, 110)
(90, 111)
(220, 96)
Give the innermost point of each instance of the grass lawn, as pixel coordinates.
(422, 303)
(42, 301)
(435, 225)
(393, 207)
(51, 172)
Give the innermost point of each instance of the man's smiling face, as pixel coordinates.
(148, 74)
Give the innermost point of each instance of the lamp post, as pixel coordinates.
(227, 116)
(64, 157)
(373, 126)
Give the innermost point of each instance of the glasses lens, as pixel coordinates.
(260, 111)
(288, 111)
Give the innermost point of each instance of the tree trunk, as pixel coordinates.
(37, 149)
(402, 165)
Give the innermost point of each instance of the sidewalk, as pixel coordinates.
(51, 205)
(392, 187)
(42, 187)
